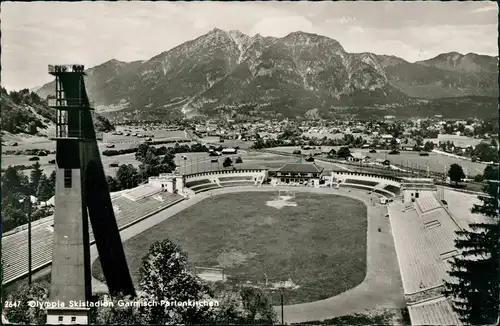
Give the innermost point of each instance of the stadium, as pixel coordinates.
(351, 242)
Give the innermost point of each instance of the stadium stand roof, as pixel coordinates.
(300, 168)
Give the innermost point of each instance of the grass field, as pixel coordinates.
(202, 162)
(119, 141)
(320, 244)
(436, 162)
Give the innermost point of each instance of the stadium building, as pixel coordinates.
(297, 173)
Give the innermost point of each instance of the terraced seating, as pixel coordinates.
(427, 202)
(460, 204)
(15, 246)
(367, 188)
(395, 190)
(433, 312)
(356, 186)
(15, 250)
(191, 184)
(204, 187)
(422, 246)
(362, 182)
(383, 192)
(141, 192)
(237, 183)
(240, 178)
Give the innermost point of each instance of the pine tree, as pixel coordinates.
(45, 191)
(165, 275)
(474, 288)
(35, 176)
(456, 173)
(52, 180)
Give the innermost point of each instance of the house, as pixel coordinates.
(357, 157)
(298, 173)
(228, 151)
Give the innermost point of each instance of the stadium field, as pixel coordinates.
(318, 246)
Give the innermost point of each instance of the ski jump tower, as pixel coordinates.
(81, 193)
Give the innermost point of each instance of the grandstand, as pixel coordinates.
(426, 202)
(380, 191)
(424, 235)
(200, 182)
(393, 189)
(15, 245)
(142, 192)
(433, 312)
(362, 182)
(380, 184)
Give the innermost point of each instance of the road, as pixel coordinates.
(381, 288)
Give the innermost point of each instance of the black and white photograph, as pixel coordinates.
(250, 163)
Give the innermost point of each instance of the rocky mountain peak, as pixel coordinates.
(301, 72)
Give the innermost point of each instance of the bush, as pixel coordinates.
(112, 152)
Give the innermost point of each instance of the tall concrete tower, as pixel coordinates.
(81, 193)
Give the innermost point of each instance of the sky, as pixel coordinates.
(36, 34)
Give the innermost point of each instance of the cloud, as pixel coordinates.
(40, 33)
(489, 7)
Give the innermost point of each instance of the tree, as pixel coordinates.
(44, 191)
(142, 151)
(35, 176)
(257, 306)
(343, 152)
(230, 309)
(332, 153)
(12, 217)
(166, 276)
(394, 143)
(52, 182)
(239, 160)
(15, 185)
(490, 173)
(122, 311)
(112, 183)
(456, 173)
(52, 178)
(348, 139)
(32, 128)
(14, 182)
(227, 162)
(428, 146)
(102, 124)
(259, 143)
(474, 288)
(23, 313)
(485, 152)
(127, 176)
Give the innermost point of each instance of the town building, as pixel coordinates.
(297, 173)
(227, 151)
(357, 157)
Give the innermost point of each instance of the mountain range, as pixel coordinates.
(229, 73)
